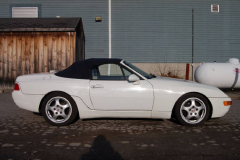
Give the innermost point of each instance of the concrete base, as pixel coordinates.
(6, 91)
(234, 95)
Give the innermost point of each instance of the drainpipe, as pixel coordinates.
(110, 31)
(192, 42)
(110, 27)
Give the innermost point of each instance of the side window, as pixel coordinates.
(107, 72)
(110, 70)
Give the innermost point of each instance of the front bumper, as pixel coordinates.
(219, 109)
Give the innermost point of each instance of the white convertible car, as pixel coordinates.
(109, 88)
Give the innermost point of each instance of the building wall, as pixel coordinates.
(35, 52)
(96, 33)
(161, 31)
(151, 31)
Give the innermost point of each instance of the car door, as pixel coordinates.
(110, 90)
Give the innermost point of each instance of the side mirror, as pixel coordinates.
(133, 78)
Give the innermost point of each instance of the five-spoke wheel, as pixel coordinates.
(192, 109)
(59, 109)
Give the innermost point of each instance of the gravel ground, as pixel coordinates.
(24, 135)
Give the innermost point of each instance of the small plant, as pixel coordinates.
(170, 74)
(165, 70)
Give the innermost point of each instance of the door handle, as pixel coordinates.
(97, 86)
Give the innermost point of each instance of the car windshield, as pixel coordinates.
(148, 76)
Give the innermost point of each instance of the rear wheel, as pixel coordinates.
(59, 109)
(192, 109)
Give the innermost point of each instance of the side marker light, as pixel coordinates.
(227, 103)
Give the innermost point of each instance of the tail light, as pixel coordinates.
(16, 87)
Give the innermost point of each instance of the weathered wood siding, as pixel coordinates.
(34, 52)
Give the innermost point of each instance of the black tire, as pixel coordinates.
(192, 109)
(59, 109)
(37, 114)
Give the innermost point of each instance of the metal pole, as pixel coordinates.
(187, 71)
(110, 27)
(192, 41)
(110, 32)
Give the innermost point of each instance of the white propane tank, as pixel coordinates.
(221, 75)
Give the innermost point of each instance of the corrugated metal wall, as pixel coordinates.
(152, 30)
(161, 31)
(96, 34)
(217, 35)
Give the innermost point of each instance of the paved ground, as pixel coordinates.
(24, 135)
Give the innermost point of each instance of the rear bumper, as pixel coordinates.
(219, 109)
(26, 101)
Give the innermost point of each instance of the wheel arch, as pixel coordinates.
(40, 104)
(210, 104)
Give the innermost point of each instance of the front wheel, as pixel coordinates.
(59, 109)
(192, 109)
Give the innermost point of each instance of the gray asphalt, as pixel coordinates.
(24, 135)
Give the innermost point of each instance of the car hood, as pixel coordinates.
(172, 85)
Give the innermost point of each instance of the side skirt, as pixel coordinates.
(86, 113)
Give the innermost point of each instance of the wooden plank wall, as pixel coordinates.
(34, 52)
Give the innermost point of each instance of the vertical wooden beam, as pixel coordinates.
(23, 53)
(45, 52)
(14, 58)
(36, 52)
(31, 56)
(54, 52)
(40, 43)
(5, 68)
(9, 60)
(64, 52)
(27, 53)
(50, 50)
(68, 46)
(59, 53)
(1, 60)
(19, 55)
(71, 48)
(74, 46)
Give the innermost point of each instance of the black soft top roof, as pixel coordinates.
(82, 69)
